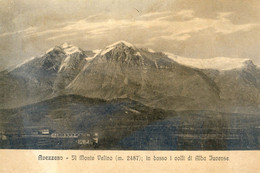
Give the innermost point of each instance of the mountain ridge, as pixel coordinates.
(122, 70)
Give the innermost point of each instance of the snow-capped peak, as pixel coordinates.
(69, 48)
(218, 63)
(120, 43)
(114, 45)
(65, 45)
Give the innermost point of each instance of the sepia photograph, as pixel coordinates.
(129, 75)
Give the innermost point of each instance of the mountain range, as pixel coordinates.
(123, 71)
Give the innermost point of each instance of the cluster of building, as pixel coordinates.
(80, 138)
(3, 137)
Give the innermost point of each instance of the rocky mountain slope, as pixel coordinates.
(41, 77)
(122, 70)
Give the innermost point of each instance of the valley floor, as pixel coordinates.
(184, 131)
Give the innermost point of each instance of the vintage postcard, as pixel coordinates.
(152, 84)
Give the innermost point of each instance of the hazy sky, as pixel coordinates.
(190, 28)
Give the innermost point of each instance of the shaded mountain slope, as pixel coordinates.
(77, 114)
(39, 78)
